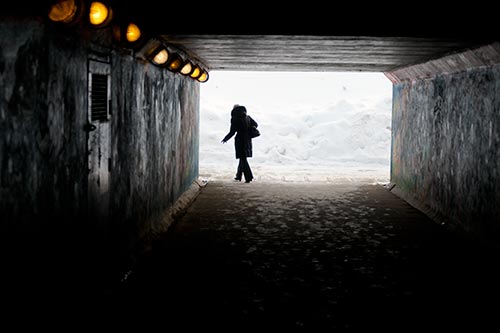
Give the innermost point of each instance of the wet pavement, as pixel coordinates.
(312, 257)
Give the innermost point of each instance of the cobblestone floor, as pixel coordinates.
(313, 257)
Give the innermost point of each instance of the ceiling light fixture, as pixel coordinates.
(133, 33)
(175, 63)
(160, 56)
(100, 14)
(203, 77)
(187, 68)
(65, 11)
(128, 34)
(196, 72)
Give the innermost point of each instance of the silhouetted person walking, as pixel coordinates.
(240, 125)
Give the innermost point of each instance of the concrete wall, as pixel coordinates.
(43, 147)
(446, 140)
(154, 147)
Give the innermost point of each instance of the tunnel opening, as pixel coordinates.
(316, 126)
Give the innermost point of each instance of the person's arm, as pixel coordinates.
(229, 135)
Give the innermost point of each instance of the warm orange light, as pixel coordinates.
(99, 13)
(63, 11)
(161, 57)
(133, 32)
(196, 72)
(203, 77)
(175, 64)
(187, 68)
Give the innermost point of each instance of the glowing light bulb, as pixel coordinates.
(196, 72)
(161, 57)
(63, 11)
(133, 32)
(187, 68)
(203, 77)
(98, 13)
(174, 65)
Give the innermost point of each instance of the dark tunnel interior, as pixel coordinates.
(103, 215)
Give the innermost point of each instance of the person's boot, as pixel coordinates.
(248, 179)
(248, 176)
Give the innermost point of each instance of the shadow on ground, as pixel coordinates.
(312, 257)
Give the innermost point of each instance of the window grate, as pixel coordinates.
(99, 97)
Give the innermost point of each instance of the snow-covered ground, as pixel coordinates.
(333, 127)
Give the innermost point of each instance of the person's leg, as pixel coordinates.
(245, 167)
(239, 172)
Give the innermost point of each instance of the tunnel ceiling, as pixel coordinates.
(312, 52)
(320, 36)
(308, 36)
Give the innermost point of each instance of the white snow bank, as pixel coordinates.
(314, 126)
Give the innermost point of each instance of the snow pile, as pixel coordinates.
(314, 126)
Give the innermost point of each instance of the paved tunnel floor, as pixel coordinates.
(317, 257)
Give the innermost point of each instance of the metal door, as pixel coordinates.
(99, 139)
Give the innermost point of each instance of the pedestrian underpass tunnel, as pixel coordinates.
(100, 134)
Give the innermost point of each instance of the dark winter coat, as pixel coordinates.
(240, 123)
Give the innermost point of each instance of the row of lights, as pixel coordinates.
(162, 55)
(99, 14)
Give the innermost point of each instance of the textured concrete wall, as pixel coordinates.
(154, 146)
(445, 147)
(43, 147)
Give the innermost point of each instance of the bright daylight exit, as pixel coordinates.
(331, 127)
